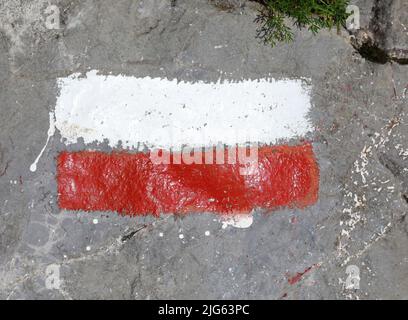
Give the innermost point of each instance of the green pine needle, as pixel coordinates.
(311, 14)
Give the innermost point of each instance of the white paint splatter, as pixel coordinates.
(240, 221)
(95, 221)
(207, 233)
(181, 236)
(356, 208)
(169, 114)
(50, 133)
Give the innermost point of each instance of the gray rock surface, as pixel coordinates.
(384, 36)
(360, 115)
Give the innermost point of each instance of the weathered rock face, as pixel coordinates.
(397, 34)
(385, 37)
(359, 117)
(228, 4)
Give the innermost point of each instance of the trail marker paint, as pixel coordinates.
(166, 116)
(131, 184)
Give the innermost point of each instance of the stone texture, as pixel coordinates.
(384, 37)
(360, 140)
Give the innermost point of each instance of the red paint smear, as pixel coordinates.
(131, 184)
(285, 295)
(296, 278)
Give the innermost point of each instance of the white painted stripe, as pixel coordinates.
(168, 114)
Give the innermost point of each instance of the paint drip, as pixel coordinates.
(50, 133)
(241, 221)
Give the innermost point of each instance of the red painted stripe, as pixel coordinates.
(131, 184)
